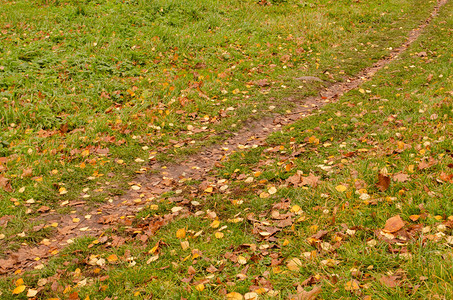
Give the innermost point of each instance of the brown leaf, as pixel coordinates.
(383, 182)
(262, 83)
(390, 281)
(294, 179)
(394, 224)
(211, 269)
(74, 296)
(310, 295)
(4, 183)
(401, 177)
(43, 209)
(311, 180)
(28, 172)
(426, 164)
(447, 178)
(320, 234)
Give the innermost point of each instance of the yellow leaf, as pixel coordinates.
(19, 289)
(234, 296)
(294, 264)
(199, 287)
(242, 260)
(264, 195)
(296, 208)
(209, 190)
(352, 285)
(19, 282)
(341, 188)
(62, 191)
(85, 152)
(219, 235)
(215, 224)
(181, 233)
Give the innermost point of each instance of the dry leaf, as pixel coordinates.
(383, 182)
(401, 177)
(19, 289)
(181, 233)
(390, 281)
(234, 296)
(310, 295)
(341, 188)
(31, 293)
(394, 224)
(112, 258)
(352, 285)
(310, 180)
(294, 264)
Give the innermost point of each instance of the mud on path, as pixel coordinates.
(162, 178)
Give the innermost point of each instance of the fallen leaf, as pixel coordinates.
(390, 281)
(185, 245)
(414, 217)
(394, 224)
(31, 293)
(112, 258)
(181, 233)
(401, 177)
(19, 289)
(4, 183)
(294, 264)
(352, 285)
(215, 224)
(242, 260)
(234, 296)
(341, 188)
(310, 180)
(383, 182)
(307, 295)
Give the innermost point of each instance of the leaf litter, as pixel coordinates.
(149, 187)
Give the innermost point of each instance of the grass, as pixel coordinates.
(396, 121)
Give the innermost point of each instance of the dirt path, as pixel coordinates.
(163, 178)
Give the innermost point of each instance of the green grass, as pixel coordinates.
(402, 106)
(84, 83)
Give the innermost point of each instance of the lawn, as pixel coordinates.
(91, 91)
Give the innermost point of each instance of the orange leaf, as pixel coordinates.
(394, 224)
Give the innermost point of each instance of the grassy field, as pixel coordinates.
(91, 90)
